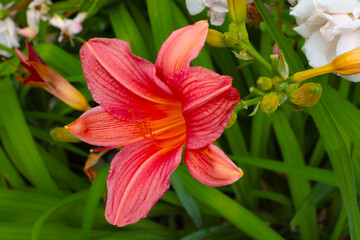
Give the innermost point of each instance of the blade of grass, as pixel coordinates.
(59, 59)
(8, 171)
(61, 173)
(161, 20)
(310, 173)
(126, 29)
(92, 200)
(14, 123)
(208, 232)
(228, 208)
(187, 200)
(299, 187)
(319, 192)
(35, 234)
(340, 224)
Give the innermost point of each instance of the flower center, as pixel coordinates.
(167, 132)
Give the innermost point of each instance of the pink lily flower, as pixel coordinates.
(154, 111)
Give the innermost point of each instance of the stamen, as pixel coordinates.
(102, 149)
(17, 67)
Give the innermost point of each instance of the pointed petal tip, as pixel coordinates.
(210, 166)
(76, 127)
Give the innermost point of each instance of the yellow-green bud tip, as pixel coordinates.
(61, 134)
(215, 38)
(269, 103)
(264, 83)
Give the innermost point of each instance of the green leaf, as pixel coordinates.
(61, 173)
(228, 208)
(59, 59)
(299, 187)
(68, 200)
(319, 192)
(186, 200)
(161, 20)
(17, 133)
(126, 29)
(8, 171)
(208, 232)
(340, 161)
(310, 173)
(92, 200)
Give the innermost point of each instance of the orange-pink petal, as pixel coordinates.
(210, 166)
(207, 99)
(139, 176)
(58, 86)
(197, 85)
(98, 127)
(121, 82)
(180, 49)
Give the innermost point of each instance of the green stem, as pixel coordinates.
(253, 52)
(247, 103)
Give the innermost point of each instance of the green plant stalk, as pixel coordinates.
(255, 54)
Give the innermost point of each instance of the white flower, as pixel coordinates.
(38, 9)
(330, 28)
(68, 27)
(218, 9)
(8, 34)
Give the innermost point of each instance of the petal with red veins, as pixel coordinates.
(197, 85)
(139, 176)
(210, 166)
(98, 127)
(121, 81)
(180, 48)
(208, 100)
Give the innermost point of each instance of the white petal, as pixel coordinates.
(80, 17)
(8, 35)
(216, 18)
(303, 10)
(348, 41)
(318, 50)
(58, 22)
(73, 27)
(195, 6)
(338, 6)
(352, 78)
(217, 5)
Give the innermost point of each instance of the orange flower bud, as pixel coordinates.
(307, 95)
(346, 64)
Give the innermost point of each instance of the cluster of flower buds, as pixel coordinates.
(278, 88)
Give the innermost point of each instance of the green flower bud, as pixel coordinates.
(276, 81)
(264, 83)
(215, 38)
(269, 103)
(231, 38)
(61, 134)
